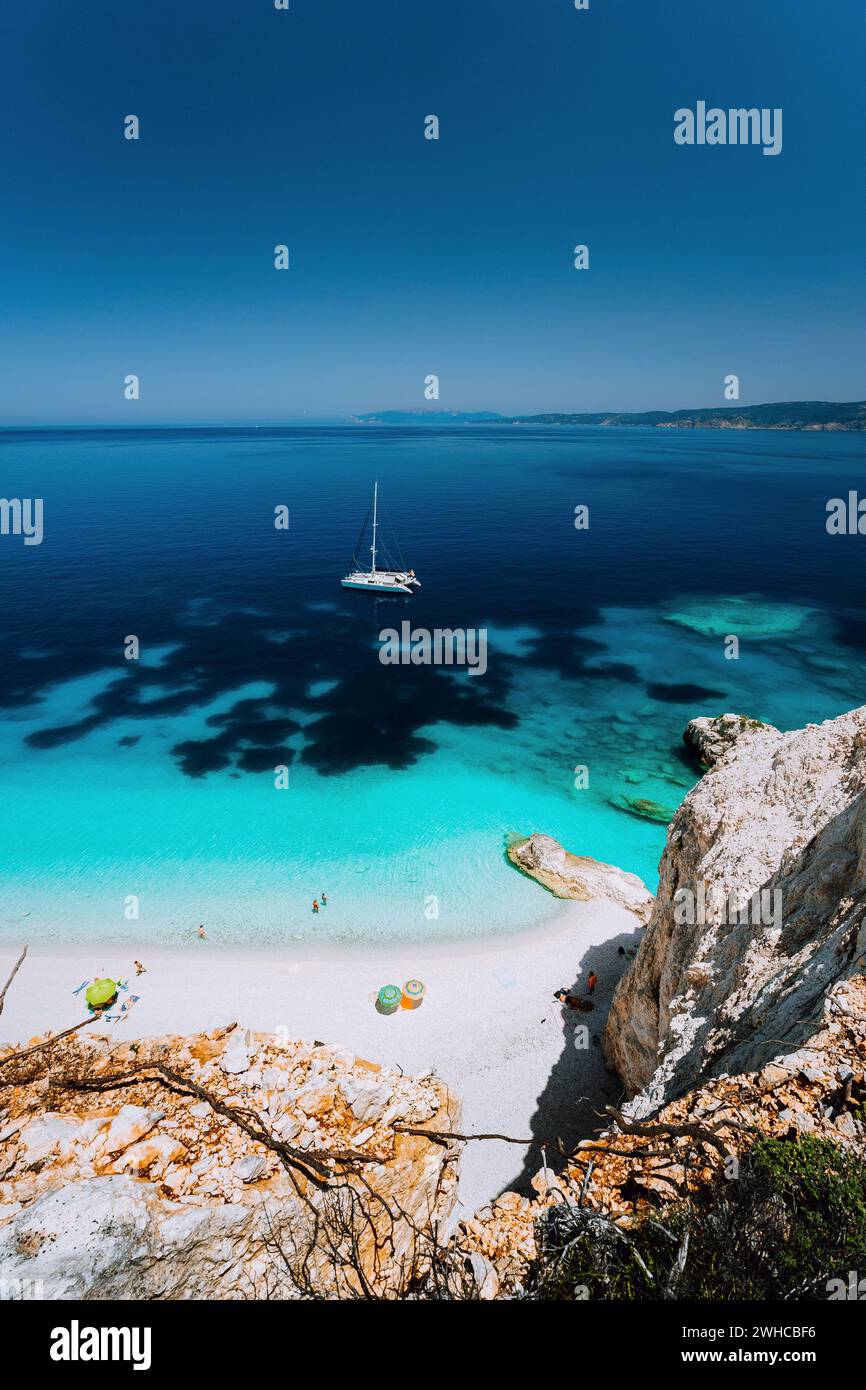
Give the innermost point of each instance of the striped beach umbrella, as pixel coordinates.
(413, 994)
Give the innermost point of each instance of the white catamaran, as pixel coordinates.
(378, 581)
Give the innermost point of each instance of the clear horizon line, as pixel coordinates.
(349, 419)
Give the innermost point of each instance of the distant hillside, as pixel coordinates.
(781, 415)
(432, 417)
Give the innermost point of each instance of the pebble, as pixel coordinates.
(251, 1168)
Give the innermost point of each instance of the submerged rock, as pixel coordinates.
(569, 875)
(644, 808)
(749, 617)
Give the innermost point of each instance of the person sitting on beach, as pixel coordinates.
(315, 904)
(571, 1001)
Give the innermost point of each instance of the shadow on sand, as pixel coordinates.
(579, 1084)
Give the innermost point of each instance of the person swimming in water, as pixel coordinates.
(315, 904)
(324, 900)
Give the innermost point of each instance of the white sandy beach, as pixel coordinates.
(489, 1025)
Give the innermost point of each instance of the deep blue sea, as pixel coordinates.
(148, 786)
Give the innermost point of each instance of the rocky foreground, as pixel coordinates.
(634, 1168)
(235, 1165)
(744, 1012)
(227, 1165)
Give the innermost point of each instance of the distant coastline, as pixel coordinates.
(782, 415)
(834, 416)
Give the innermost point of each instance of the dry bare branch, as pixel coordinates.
(15, 970)
(46, 1042)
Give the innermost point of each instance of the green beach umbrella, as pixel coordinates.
(100, 992)
(388, 998)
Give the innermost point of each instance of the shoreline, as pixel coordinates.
(489, 1026)
(306, 949)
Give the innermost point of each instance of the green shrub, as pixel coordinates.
(793, 1219)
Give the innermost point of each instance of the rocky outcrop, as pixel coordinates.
(569, 875)
(149, 1191)
(819, 1089)
(759, 913)
(711, 739)
(744, 1011)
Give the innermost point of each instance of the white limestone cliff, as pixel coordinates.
(724, 981)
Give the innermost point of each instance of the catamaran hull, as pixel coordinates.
(372, 588)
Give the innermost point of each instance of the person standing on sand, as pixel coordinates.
(201, 933)
(591, 981)
(139, 968)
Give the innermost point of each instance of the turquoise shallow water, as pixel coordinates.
(416, 852)
(154, 780)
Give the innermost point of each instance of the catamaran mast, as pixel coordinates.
(375, 506)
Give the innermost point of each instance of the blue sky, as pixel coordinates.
(409, 256)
